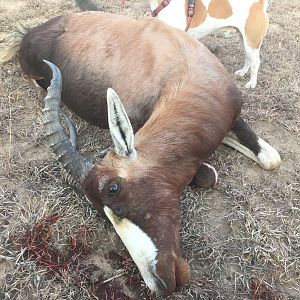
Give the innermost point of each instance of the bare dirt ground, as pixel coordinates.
(242, 238)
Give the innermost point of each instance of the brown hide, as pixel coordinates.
(138, 59)
(179, 99)
(145, 62)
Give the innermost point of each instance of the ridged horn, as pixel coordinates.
(75, 164)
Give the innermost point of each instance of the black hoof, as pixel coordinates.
(206, 176)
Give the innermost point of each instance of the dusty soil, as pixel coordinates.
(242, 238)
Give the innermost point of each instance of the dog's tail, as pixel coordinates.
(13, 49)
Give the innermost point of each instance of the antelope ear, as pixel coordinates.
(120, 126)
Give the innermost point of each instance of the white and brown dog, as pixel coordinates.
(202, 17)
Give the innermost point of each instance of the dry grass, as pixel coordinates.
(242, 238)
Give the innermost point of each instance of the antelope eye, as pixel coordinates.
(113, 189)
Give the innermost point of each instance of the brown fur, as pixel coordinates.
(256, 25)
(219, 9)
(178, 96)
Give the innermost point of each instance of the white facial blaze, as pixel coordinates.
(119, 126)
(140, 247)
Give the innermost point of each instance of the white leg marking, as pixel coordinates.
(252, 62)
(230, 141)
(246, 67)
(140, 247)
(268, 157)
(254, 66)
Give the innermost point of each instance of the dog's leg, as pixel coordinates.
(254, 62)
(243, 139)
(253, 33)
(246, 67)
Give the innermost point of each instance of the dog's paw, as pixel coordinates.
(241, 72)
(251, 84)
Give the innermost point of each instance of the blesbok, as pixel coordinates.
(178, 105)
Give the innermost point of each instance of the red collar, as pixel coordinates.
(161, 6)
(190, 12)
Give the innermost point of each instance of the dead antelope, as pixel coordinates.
(178, 105)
